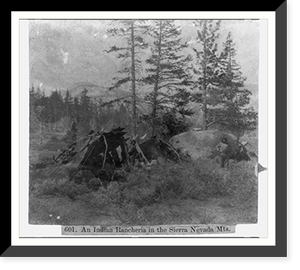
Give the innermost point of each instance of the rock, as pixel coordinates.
(200, 144)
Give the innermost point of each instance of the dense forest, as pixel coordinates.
(154, 57)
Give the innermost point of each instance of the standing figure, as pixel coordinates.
(224, 151)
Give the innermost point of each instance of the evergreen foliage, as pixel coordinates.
(230, 108)
(168, 73)
(206, 69)
(132, 31)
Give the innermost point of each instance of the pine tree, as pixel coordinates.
(206, 69)
(71, 135)
(43, 108)
(34, 96)
(55, 107)
(76, 109)
(68, 104)
(85, 104)
(132, 31)
(85, 110)
(233, 112)
(168, 69)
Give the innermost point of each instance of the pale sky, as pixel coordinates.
(64, 52)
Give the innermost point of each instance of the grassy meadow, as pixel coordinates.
(185, 192)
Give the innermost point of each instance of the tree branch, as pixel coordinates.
(211, 123)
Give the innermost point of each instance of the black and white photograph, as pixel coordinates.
(141, 126)
(144, 126)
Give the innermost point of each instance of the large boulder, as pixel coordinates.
(202, 144)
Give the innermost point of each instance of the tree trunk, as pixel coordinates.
(41, 133)
(204, 86)
(156, 81)
(134, 114)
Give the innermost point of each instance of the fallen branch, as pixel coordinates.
(103, 129)
(105, 153)
(171, 147)
(211, 123)
(63, 152)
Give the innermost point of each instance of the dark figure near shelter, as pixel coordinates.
(224, 151)
(227, 150)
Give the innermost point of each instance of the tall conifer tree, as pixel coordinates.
(132, 31)
(233, 112)
(68, 104)
(168, 68)
(206, 69)
(85, 110)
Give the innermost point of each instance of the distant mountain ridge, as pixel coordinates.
(95, 90)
